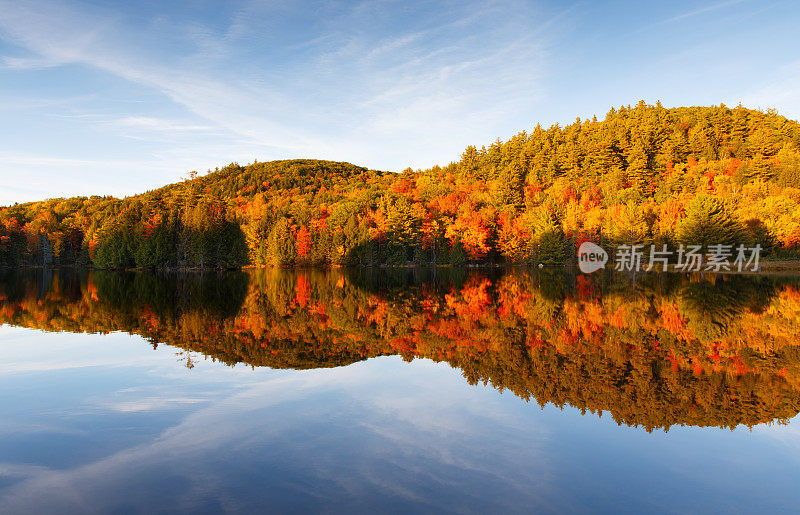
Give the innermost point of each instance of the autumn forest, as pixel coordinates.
(644, 174)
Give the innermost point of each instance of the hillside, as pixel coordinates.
(647, 174)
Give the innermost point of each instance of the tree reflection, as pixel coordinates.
(653, 351)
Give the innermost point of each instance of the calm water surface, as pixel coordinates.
(292, 391)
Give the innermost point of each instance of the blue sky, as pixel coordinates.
(121, 97)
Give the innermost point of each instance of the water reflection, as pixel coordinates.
(653, 352)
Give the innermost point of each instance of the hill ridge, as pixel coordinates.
(645, 173)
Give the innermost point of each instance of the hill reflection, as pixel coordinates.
(663, 350)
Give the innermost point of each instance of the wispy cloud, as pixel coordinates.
(346, 88)
(153, 404)
(778, 91)
(702, 10)
(160, 124)
(27, 63)
(32, 159)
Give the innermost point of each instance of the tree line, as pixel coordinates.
(643, 174)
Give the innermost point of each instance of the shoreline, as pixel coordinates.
(765, 268)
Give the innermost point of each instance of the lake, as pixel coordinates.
(417, 390)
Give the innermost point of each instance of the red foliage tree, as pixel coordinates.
(303, 242)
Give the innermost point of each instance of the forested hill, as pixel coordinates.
(644, 174)
(274, 176)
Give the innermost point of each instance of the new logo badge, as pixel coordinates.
(591, 257)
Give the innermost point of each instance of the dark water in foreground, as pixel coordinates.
(410, 391)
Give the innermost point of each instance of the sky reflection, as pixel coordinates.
(121, 427)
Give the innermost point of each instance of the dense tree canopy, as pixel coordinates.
(644, 174)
